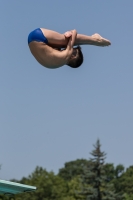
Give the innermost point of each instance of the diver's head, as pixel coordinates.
(76, 58)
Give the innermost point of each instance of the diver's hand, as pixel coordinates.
(68, 34)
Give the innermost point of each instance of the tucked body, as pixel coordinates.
(52, 49)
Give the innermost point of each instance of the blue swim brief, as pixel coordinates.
(38, 36)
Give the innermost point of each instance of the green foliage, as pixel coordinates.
(126, 181)
(74, 188)
(96, 179)
(72, 169)
(1, 197)
(109, 171)
(118, 173)
(128, 197)
(114, 174)
(4, 197)
(49, 186)
(119, 170)
(81, 179)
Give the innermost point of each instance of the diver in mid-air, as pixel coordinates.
(53, 50)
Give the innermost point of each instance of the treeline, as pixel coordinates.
(82, 179)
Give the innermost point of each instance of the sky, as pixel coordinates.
(52, 116)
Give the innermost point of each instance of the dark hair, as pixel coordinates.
(75, 63)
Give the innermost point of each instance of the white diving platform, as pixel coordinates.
(12, 188)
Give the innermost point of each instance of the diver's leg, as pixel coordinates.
(55, 39)
(95, 39)
(59, 40)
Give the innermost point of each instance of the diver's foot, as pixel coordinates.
(100, 41)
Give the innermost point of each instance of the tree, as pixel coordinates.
(118, 174)
(95, 182)
(126, 181)
(114, 175)
(72, 169)
(49, 186)
(129, 196)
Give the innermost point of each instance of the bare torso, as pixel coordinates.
(49, 57)
(46, 55)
